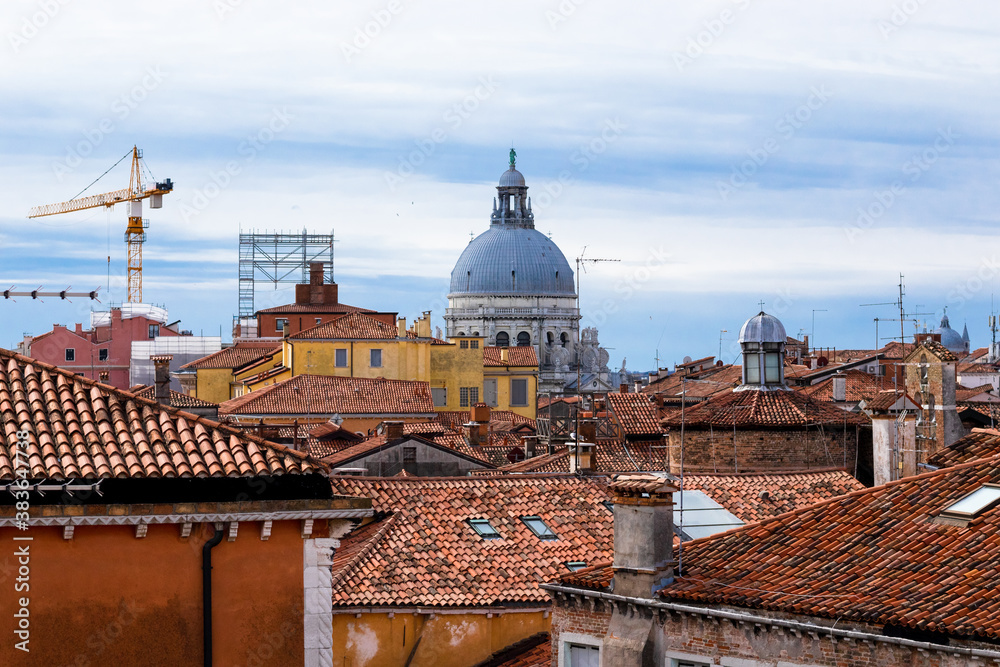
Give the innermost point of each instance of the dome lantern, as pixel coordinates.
(762, 340)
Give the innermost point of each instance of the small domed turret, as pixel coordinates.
(762, 339)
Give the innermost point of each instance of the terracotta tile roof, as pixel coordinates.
(356, 326)
(535, 651)
(375, 443)
(741, 493)
(635, 414)
(641, 483)
(858, 385)
(324, 394)
(81, 428)
(426, 554)
(612, 456)
(935, 348)
(885, 400)
(522, 355)
(596, 577)
(764, 408)
(177, 399)
(238, 355)
(331, 431)
(315, 308)
(455, 419)
(977, 369)
(981, 443)
(967, 393)
(877, 556)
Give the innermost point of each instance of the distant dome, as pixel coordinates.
(512, 178)
(950, 338)
(512, 260)
(763, 328)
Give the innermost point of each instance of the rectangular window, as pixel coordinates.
(575, 565)
(280, 324)
(490, 392)
(340, 358)
(440, 396)
(70, 354)
(519, 392)
(464, 345)
(376, 358)
(463, 397)
(752, 367)
(474, 344)
(102, 354)
(484, 529)
(154, 330)
(539, 528)
(319, 320)
(473, 395)
(583, 656)
(688, 663)
(772, 367)
(409, 454)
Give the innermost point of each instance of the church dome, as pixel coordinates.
(512, 178)
(950, 338)
(512, 260)
(763, 328)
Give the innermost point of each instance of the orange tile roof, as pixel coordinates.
(858, 385)
(238, 355)
(455, 419)
(876, 556)
(635, 414)
(967, 393)
(354, 326)
(80, 428)
(426, 554)
(535, 651)
(763, 409)
(980, 443)
(324, 394)
(378, 442)
(522, 355)
(885, 400)
(315, 308)
(177, 399)
(977, 369)
(935, 348)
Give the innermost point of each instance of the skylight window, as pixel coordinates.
(538, 527)
(575, 565)
(609, 505)
(484, 529)
(975, 503)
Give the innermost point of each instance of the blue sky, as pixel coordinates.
(727, 152)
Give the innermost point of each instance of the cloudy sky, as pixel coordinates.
(726, 152)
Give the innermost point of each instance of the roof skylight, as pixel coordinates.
(575, 565)
(538, 527)
(484, 529)
(975, 503)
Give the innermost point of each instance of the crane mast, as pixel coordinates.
(135, 231)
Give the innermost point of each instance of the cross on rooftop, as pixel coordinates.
(762, 305)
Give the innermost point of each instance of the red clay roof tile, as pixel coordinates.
(324, 394)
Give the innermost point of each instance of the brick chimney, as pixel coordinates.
(643, 534)
(623, 388)
(582, 457)
(161, 366)
(480, 413)
(316, 292)
(393, 430)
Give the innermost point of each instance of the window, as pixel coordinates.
(154, 330)
(340, 358)
(102, 354)
(490, 392)
(409, 454)
(574, 565)
(474, 344)
(523, 339)
(376, 358)
(610, 505)
(468, 396)
(688, 663)
(772, 367)
(440, 396)
(319, 320)
(463, 344)
(751, 364)
(503, 339)
(484, 529)
(280, 324)
(583, 656)
(564, 338)
(538, 527)
(975, 503)
(70, 354)
(518, 392)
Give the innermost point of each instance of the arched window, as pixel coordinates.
(503, 339)
(523, 339)
(550, 337)
(564, 338)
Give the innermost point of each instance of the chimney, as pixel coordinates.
(161, 365)
(315, 274)
(316, 292)
(582, 457)
(894, 440)
(393, 430)
(423, 324)
(839, 388)
(401, 327)
(480, 413)
(478, 434)
(105, 376)
(623, 388)
(504, 355)
(588, 428)
(79, 329)
(643, 534)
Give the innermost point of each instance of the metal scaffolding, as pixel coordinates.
(280, 258)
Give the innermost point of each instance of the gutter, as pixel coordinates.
(797, 626)
(206, 592)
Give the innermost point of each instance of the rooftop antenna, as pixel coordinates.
(812, 332)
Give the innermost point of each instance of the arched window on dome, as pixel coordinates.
(523, 339)
(503, 339)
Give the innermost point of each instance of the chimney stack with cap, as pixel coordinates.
(643, 534)
(393, 430)
(161, 366)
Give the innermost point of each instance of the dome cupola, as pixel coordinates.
(762, 340)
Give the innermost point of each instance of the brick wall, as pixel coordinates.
(766, 450)
(591, 617)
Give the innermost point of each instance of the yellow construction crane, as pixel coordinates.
(135, 234)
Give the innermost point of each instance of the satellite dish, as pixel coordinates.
(337, 419)
(687, 360)
(822, 362)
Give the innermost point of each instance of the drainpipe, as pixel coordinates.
(206, 592)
